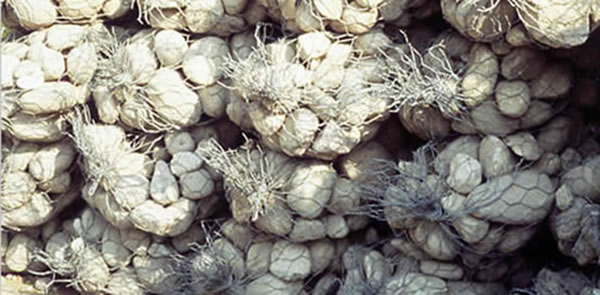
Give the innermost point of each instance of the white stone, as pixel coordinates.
(82, 63)
(203, 16)
(307, 230)
(471, 229)
(163, 186)
(214, 99)
(9, 64)
(495, 157)
(345, 197)
(78, 9)
(90, 225)
(64, 36)
(19, 159)
(376, 267)
(480, 77)
(51, 160)
(330, 9)
(35, 14)
(170, 47)
(57, 185)
(313, 45)
(487, 119)
(270, 284)
(92, 271)
(524, 145)
(520, 199)
(28, 75)
(200, 70)
(234, 7)
(290, 261)
(299, 129)
(369, 3)
(468, 145)
(196, 185)
(372, 42)
(141, 62)
(158, 250)
(17, 189)
(124, 281)
(311, 188)
(356, 20)
(19, 253)
(170, 221)
(258, 258)
(465, 173)
(336, 226)
(564, 197)
(179, 142)
(333, 140)
(58, 246)
(278, 220)
(265, 122)
(512, 98)
(113, 251)
(185, 162)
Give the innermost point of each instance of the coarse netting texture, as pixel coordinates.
(457, 208)
(299, 200)
(456, 85)
(158, 80)
(214, 17)
(38, 181)
(315, 95)
(153, 184)
(45, 75)
(575, 219)
(32, 15)
(554, 23)
(253, 147)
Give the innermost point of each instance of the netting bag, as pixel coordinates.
(314, 95)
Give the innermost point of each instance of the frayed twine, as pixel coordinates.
(246, 169)
(412, 80)
(113, 74)
(205, 270)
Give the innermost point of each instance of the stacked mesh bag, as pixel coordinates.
(297, 147)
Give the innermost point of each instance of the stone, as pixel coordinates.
(196, 185)
(163, 186)
(290, 261)
(307, 230)
(512, 98)
(465, 173)
(524, 145)
(495, 157)
(441, 270)
(520, 198)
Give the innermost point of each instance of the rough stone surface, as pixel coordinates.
(521, 198)
(290, 261)
(524, 145)
(495, 157)
(465, 173)
(163, 186)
